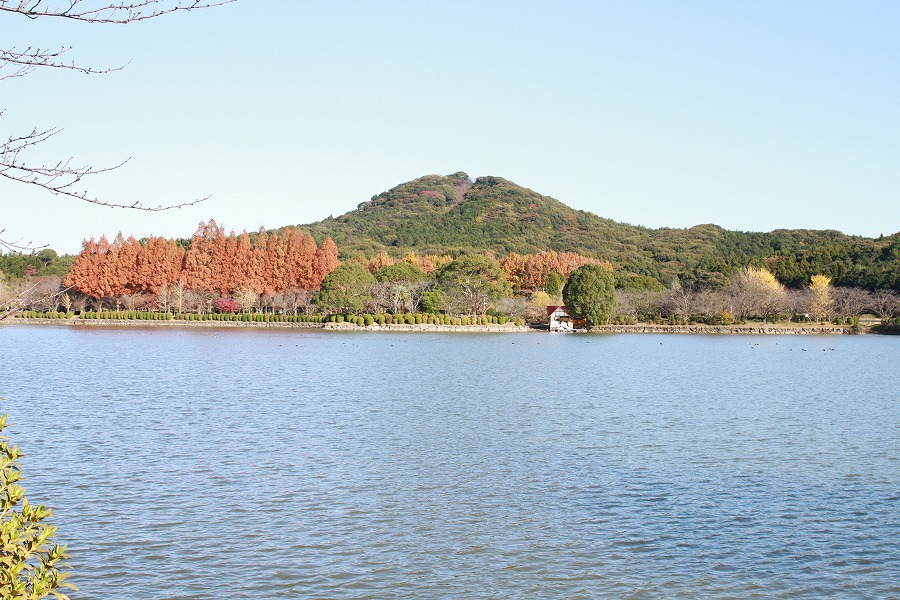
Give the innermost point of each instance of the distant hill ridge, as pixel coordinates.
(453, 214)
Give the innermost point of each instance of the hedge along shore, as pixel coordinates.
(506, 328)
(756, 329)
(759, 329)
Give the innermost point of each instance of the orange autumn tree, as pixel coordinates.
(125, 265)
(84, 274)
(532, 271)
(203, 260)
(275, 266)
(231, 274)
(159, 264)
(300, 260)
(214, 262)
(514, 267)
(325, 261)
(381, 260)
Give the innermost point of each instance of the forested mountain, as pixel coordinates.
(452, 214)
(436, 217)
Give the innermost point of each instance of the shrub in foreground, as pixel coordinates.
(31, 564)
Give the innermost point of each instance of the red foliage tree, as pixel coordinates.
(124, 268)
(275, 267)
(203, 258)
(514, 267)
(299, 258)
(214, 262)
(257, 274)
(381, 260)
(325, 262)
(227, 305)
(159, 264)
(530, 272)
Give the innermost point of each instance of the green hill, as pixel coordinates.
(451, 214)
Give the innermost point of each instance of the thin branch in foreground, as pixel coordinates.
(63, 177)
(23, 62)
(117, 13)
(17, 246)
(25, 298)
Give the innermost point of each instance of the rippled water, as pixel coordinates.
(263, 464)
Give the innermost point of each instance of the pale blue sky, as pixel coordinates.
(753, 116)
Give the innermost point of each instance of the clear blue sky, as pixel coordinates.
(753, 116)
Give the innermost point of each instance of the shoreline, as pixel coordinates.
(755, 329)
(747, 329)
(422, 327)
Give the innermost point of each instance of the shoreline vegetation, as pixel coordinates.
(509, 327)
(288, 277)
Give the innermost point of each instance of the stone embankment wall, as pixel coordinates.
(508, 327)
(806, 329)
(727, 329)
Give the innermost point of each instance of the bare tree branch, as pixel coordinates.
(89, 11)
(25, 298)
(18, 247)
(25, 61)
(63, 177)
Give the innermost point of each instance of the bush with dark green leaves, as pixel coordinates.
(32, 565)
(589, 294)
(434, 301)
(346, 289)
(401, 271)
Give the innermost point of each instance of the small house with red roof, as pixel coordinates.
(560, 319)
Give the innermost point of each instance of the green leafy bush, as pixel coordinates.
(590, 294)
(32, 566)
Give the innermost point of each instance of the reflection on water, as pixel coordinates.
(205, 464)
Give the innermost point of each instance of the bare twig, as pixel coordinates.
(18, 247)
(89, 12)
(63, 177)
(22, 62)
(24, 299)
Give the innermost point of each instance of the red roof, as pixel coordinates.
(552, 309)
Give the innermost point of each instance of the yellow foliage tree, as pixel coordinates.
(764, 277)
(536, 308)
(756, 292)
(821, 301)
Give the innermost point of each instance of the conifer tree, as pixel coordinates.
(326, 261)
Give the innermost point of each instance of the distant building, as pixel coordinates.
(560, 319)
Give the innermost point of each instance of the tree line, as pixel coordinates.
(214, 263)
(437, 214)
(286, 272)
(754, 293)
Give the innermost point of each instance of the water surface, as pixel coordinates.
(294, 464)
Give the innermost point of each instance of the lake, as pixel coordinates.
(299, 464)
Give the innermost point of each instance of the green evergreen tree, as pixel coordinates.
(346, 289)
(400, 271)
(590, 294)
